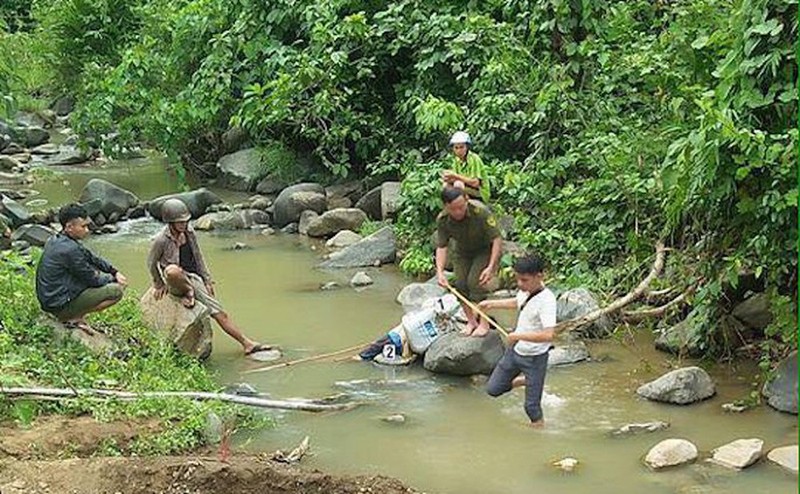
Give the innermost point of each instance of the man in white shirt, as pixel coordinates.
(530, 342)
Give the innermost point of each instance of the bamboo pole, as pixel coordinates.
(49, 393)
(478, 311)
(307, 359)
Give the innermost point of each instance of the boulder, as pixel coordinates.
(632, 429)
(344, 238)
(785, 456)
(33, 135)
(378, 248)
(579, 302)
(781, 390)
(34, 119)
(290, 229)
(336, 220)
(46, 149)
(113, 199)
(754, 312)
(241, 170)
(260, 202)
(361, 279)
(5, 140)
(670, 452)
(453, 353)
(9, 163)
(567, 354)
(198, 201)
(67, 155)
(370, 203)
(96, 342)
(339, 203)
(231, 220)
(414, 295)
(351, 191)
(684, 338)
(13, 148)
(681, 386)
(270, 185)
(738, 454)
(292, 201)
(15, 212)
(306, 217)
(33, 234)
(390, 199)
(234, 139)
(63, 105)
(188, 329)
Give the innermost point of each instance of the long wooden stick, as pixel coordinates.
(475, 308)
(307, 359)
(634, 294)
(33, 393)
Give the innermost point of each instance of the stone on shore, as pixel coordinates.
(112, 198)
(579, 302)
(378, 248)
(198, 201)
(293, 200)
(33, 234)
(231, 220)
(781, 390)
(344, 238)
(414, 295)
(336, 220)
(241, 170)
(188, 329)
(455, 354)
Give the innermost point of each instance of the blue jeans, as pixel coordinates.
(510, 366)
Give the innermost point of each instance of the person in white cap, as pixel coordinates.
(468, 171)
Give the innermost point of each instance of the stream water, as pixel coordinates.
(455, 439)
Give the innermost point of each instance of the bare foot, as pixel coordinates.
(468, 329)
(539, 424)
(518, 381)
(188, 299)
(482, 330)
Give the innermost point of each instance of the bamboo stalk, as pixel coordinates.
(48, 393)
(478, 311)
(307, 359)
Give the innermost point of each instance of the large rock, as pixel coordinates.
(34, 119)
(113, 199)
(48, 149)
(270, 185)
(241, 170)
(785, 456)
(33, 234)
(189, 329)
(33, 136)
(569, 353)
(347, 190)
(738, 454)
(390, 199)
(344, 238)
(781, 390)
(453, 353)
(198, 201)
(370, 203)
(754, 312)
(234, 139)
(306, 217)
(414, 295)
(685, 338)
(579, 302)
(232, 220)
(336, 220)
(67, 155)
(378, 248)
(292, 201)
(681, 386)
(671, 452)
(9, 163)
(63, 106)
(14, 211)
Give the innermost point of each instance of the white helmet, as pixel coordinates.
(461, 137)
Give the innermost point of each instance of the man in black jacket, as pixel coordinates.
(71, 281)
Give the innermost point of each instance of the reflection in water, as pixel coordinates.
(456, 439)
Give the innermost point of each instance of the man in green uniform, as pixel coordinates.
(469, 172)
(477, 250)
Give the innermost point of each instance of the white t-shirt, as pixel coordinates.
(538, 314)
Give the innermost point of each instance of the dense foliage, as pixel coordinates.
(607, 124)
(140, 361)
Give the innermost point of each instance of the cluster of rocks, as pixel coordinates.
(736, 455)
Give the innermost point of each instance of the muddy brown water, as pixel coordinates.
(455, 439)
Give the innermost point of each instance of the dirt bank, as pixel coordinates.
(32, 461)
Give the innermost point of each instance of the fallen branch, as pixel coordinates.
(618, 304)
(308, 359)
(48, 393)
(641, 315)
